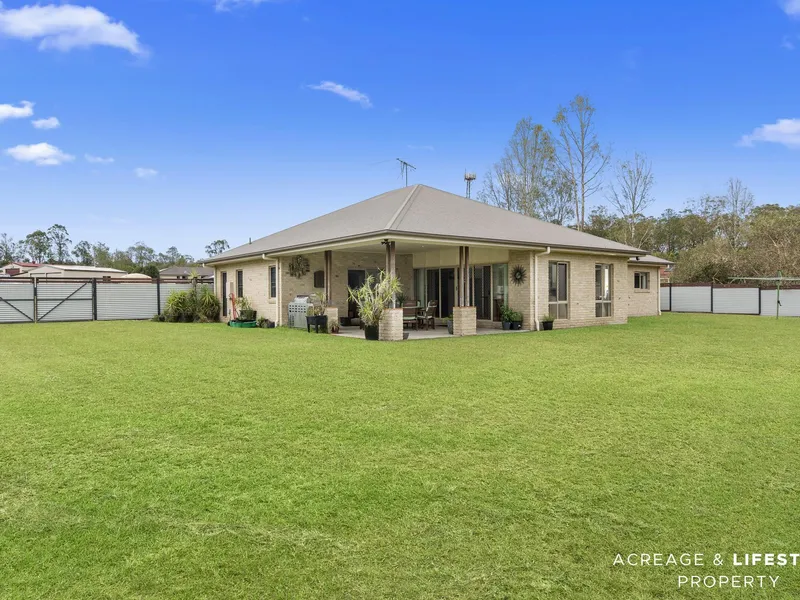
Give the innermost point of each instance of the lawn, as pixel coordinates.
(154, 460)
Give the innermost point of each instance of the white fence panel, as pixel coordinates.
(16, 302)
(664, 297)
(790, 303)
(691, 299)
(736, 301)
(69, 301)
(126, 301)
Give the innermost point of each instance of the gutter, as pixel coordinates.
(536, 289)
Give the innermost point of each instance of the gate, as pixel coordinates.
(64, 300)
(16, 302)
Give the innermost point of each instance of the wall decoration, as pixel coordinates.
(518, 275)
(298, 266)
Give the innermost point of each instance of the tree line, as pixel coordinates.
(552, 175)
(55, 246)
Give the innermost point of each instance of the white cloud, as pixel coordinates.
(66, 26)
(49, 123)
(143, 173)
(223, 5)
(791, 7)
(98, 160)
(39, 154)
(345, 92)
(9, 111)
(784, 131)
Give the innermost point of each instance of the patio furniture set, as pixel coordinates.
(417, 316)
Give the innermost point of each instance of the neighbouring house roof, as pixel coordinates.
(135, 276)
(181, 271)
(420, 210)
(651, 260)
(84, 268)
(31, 265)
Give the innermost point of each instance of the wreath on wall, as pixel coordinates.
(298, 266)
(518, 275)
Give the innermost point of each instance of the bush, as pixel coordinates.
(208, 304)
(179, 306)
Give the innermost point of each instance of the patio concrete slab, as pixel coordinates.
(424, 334)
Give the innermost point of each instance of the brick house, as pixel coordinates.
(469, 256)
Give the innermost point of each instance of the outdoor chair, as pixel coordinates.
(410, 316)
(428, 318)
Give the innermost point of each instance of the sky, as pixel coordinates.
(178, 122)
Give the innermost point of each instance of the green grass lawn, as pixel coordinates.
(154, 460)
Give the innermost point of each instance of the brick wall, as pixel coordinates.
(643, 303)
(390, 328)
(255, 273)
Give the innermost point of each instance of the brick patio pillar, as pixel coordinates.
(390, 328)
(333, 316)
(465, 320)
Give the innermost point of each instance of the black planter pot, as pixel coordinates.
(248, 315)
(371, 332)
(516, 325)
(506, 325)
(318, 322)
(547, 325)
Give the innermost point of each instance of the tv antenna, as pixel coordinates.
(404, 167)
(469, 178)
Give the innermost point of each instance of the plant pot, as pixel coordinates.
(245, 324)
(247, 315)
(506, 325)
(318, 322)
(450, 326)
(516, 325)
(547, 325)
(371, 332)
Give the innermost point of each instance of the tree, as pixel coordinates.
(83, 253)
(216, 247)
(101, 255)
(579, 155)
(631, 194)
(140, 254)
(8, 249)
(59, 243)
(37, 246)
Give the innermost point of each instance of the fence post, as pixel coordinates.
(670, 296)
(94, 299)
(158, 295)
(712, 296)
(35, 301)
(759, 300)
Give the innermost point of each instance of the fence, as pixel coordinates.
(51, 300)
(730, 299)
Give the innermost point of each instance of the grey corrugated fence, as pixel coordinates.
(51, 300)
(730, 300)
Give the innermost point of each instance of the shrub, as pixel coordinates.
(179, 306)
(208, 304)
(372, 298)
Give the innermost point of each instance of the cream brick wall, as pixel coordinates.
(256, 286)
(390, 328)
(581, 289)
(342, 262)
(643, 303)
(464, 321)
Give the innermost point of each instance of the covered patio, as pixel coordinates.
(424, 334)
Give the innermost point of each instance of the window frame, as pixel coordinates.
(604, 304)
(637, 279)
(558, 308)
(239, 283)
(223, 278)
(273, 282)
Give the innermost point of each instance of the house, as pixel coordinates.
(17, 268)
(470, 257)
(137, 276)
(74, 271)
(186, 272)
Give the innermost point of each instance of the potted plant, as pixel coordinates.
(506, 315)
(316, 316)
(246, 316)
(372, 298)
(547, 322)
(516, 320)
(449, 320)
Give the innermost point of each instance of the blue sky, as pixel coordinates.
(216, 106)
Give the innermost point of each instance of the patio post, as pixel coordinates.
(465, 319)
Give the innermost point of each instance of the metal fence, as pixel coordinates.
(50, 300)
(730, 299)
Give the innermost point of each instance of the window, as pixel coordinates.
(558, 290)
(239, 284)
(602, 290)
(224, 294)
(641, 281)
(319, 279)
(273, 282)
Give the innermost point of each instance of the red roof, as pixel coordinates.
(26, 264)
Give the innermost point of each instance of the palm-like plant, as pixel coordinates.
(372, 298)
